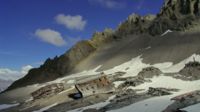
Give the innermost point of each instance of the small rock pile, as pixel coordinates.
(132, 81)
(159, 91)
(191, 71)
(149, 72)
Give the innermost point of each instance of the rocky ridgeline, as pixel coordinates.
(135, 24)
(176, 15)
(100, 38)
(57, 67)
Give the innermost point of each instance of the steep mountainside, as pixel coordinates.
(132, 38)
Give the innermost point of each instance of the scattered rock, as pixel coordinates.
(149, 72)
(159, 91)
(135, 24)
(132, 81)
(130, 96)
(191, 71)
(100, 38)
(183, 101)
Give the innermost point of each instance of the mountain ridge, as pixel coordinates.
(174, 16)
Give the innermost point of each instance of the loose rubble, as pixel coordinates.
(191, 71)
(183, 101)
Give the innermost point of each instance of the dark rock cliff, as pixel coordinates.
(57, 67)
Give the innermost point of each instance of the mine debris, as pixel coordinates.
(47, 91)
(183, 101)
(93, 85)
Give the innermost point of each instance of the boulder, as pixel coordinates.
(191, 71)
(149, 72)
(158, 91)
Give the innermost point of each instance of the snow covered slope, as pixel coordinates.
(131, 68)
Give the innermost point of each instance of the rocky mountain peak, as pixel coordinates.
(177, 15)
(133, 18)
(135, 24)
(100, 38)
(149, 17)
(180, 8)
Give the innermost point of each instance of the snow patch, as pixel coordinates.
(71, 82)
(166, 32)
(158, 104)
(193, 108)
(135, 66)
(170, 82)
(177, 67)
(117, 83)
(5, 106)
(147, 48)
(46, 108)
(96, 106)
(150, 105)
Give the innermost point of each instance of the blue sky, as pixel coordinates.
(33, 30)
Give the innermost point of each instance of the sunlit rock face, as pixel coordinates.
(135, 24)
(178, 15)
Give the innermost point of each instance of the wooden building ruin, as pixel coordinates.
(47, 91)
(94, 85)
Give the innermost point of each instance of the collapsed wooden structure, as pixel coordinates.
(47, 91)
(94, 85)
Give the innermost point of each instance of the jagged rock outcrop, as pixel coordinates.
(135, 24)
(57, 67)
(100, 38)
(180, 8)
(176, 15)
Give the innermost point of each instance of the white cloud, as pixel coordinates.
(50, 36)
(109, 3)
(71, 22)
(8, 74)
(25, 69)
